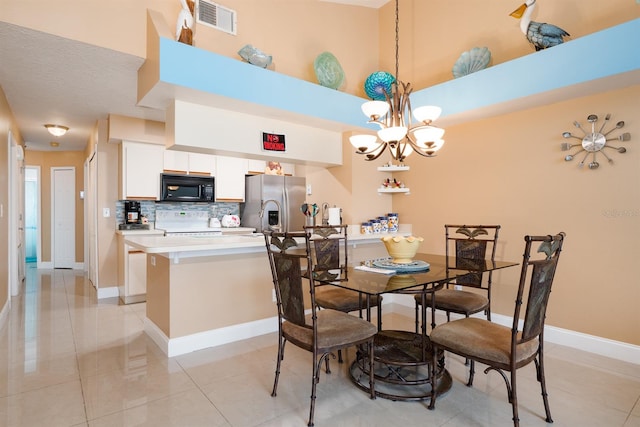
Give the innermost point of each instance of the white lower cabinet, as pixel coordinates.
(132, 270)
(137, 273)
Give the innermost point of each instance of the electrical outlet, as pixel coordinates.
(106, 212)
(273, 295)
(153, 260)
(308, 189)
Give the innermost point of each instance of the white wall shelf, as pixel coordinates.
(393, 168)
(393, 190)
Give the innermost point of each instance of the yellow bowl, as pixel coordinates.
(402, 249)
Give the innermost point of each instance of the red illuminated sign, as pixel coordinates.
(272, 142)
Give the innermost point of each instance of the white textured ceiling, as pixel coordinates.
(50, 79)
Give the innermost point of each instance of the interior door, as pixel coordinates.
(16, 261)
(63, 208)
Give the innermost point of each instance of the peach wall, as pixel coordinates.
(433, 34)
(132, 129)
(107, 158)
(114, 24)
(295, 32)
(510, 170)
(47, 160)
(515, 155)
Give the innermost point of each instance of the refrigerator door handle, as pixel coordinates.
(285, 209)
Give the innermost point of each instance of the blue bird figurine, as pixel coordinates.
(540, 35)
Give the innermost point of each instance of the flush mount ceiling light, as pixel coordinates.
(54, 144)
(393, 115)
(56, 130)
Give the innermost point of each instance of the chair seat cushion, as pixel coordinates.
(457, 301)
(343, 299)
(482, 340)
(335, 330)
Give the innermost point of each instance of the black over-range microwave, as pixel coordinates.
(186, 188)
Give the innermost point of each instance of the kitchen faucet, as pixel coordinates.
(278, 226)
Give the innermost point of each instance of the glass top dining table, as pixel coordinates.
(402, 358)
(440, 271)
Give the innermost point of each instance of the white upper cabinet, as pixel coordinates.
(202, 164)
(189, 163)
(230, 172)
(176, 161)
(288, 168)
(142, 165)
(256, 167)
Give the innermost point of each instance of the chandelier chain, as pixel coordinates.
(397, 40)
(397, 132)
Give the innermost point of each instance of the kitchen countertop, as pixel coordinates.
(176, 247)
(140, 232)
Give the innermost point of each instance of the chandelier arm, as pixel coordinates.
(418, 149)
(399, 154)
(378, 122)
(380, 147)
(371, 157)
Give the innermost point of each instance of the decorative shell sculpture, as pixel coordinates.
(471, 61)
(255, 56)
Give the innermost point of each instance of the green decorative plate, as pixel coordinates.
(328, 70)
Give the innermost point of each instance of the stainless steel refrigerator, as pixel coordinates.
(282, 197)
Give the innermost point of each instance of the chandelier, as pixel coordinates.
(397, 132)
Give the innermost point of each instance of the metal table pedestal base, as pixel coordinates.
(402, 368)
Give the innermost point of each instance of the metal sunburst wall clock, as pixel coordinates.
(594, 142)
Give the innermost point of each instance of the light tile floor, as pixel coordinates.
(67, 359)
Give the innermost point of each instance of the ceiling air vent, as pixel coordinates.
(216, 16)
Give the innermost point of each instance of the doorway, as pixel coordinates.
(32, 214)
(63, 218)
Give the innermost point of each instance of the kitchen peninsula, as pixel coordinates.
(204, 292)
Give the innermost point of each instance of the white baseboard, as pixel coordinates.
(401, 304)
(48, 265)
(187, 344)
(578, 340)
(108, 292)
(585, 342)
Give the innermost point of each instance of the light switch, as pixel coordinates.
(106, 212)
(308, 189)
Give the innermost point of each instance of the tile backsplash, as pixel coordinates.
(148, 209)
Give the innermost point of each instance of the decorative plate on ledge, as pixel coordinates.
(328, 70)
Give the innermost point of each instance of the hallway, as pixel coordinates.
(68, 360)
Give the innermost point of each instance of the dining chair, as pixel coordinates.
(468, 245)
(322, 331)
(505, 348)
(329, 244)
